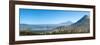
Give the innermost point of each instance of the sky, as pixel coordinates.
(44, 16)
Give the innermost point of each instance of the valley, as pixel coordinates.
(81, 26)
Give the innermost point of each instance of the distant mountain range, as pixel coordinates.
(67, 23)
(81, 26)
(42, 27)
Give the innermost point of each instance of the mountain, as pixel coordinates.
(66, 23)
(81, 26)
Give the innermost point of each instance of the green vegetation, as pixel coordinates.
(27, 32)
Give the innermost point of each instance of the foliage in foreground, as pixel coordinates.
(27, 32)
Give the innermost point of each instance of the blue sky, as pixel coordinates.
(41, 16)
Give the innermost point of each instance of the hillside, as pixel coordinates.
(81, 26)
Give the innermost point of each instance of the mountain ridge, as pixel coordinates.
(81, 26)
